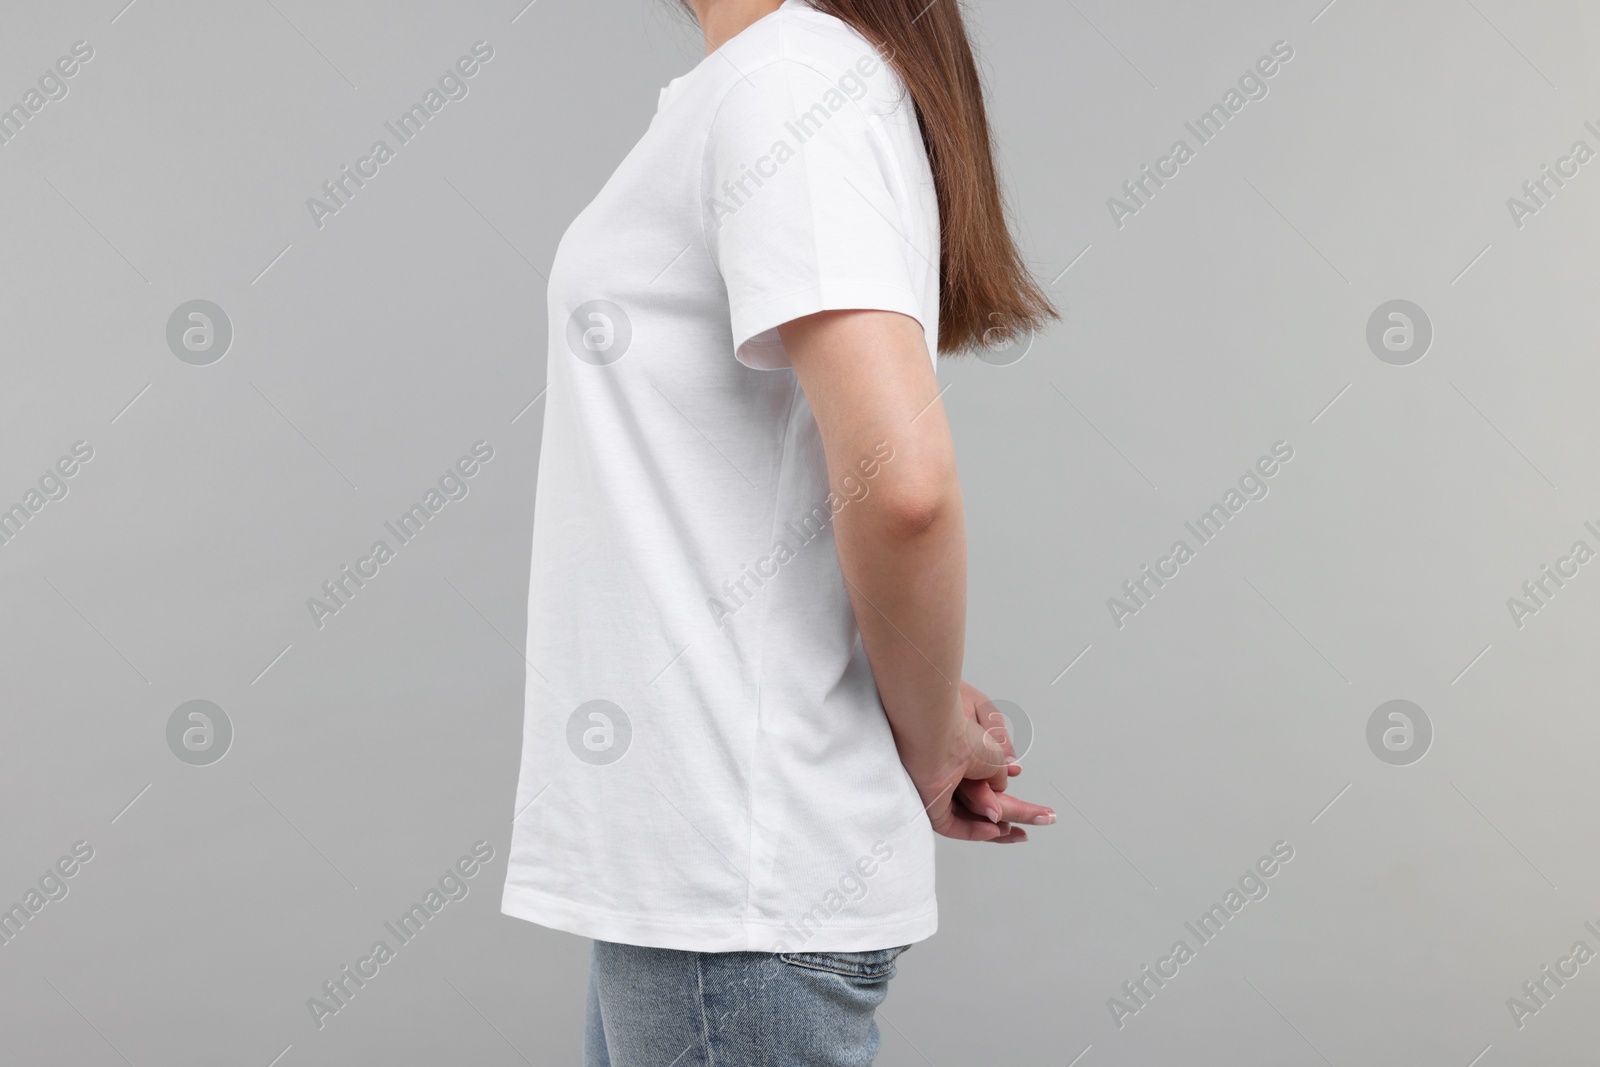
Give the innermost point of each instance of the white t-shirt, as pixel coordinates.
(706, 764)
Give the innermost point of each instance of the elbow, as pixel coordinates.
(908, 513)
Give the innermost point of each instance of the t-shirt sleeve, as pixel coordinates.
(805, 208)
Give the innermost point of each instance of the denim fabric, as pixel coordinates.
(661, 1007)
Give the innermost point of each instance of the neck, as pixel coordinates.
(721, 20)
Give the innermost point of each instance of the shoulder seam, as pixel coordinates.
(716, 112)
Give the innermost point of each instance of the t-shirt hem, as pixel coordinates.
(712, 935)
(844, 295)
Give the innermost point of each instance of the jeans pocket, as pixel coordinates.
(873, 965)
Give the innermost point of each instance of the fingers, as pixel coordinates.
(981, 800)
(956, 822)
(979, 808)
(991, 832)
(994, 724)
(997, 755)
(1014, 809)
(988, 758)
(963, 814)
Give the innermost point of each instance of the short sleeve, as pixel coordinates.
(805, 206)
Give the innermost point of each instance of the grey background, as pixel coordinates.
(1229, 714)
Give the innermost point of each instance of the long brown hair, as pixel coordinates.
(987, 298)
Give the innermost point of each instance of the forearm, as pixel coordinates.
(902, 546)
(906, 570)
(901, 537)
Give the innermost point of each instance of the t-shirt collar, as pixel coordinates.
(672, 88)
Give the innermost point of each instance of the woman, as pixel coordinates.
(745, 720)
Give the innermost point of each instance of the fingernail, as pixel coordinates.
(1044, 820)
(993, 813)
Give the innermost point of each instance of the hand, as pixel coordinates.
(964, 790)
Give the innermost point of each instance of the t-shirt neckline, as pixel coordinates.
(670, 90)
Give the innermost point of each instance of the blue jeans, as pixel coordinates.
(662, 1007)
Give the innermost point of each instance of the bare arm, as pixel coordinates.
(903, 552)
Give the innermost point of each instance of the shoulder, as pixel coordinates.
(799, 57)
(807, 35)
